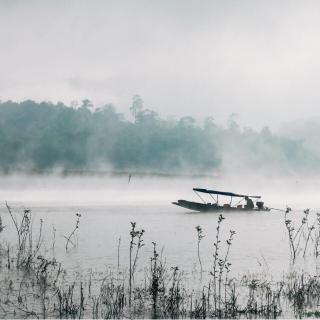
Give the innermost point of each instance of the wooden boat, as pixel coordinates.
(215, 206)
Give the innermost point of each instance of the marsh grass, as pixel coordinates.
(33, 285)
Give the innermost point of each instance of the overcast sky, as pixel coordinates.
(259, 59)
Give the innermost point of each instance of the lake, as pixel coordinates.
(108, 204)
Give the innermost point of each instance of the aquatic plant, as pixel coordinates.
(216, 245)
(39, 287)
(157, 284)
(1, 225)
(134, 235)
(264, 297)
(200, 236)
(317, 236)
(26, 252)
(72, 236)
(295, 234)
(301, 236)
(224, 266)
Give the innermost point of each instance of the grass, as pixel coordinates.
(33, 285)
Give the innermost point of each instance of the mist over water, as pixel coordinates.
(110, 111)
(114, 171)
(108, 204)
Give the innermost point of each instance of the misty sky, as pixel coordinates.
(260, 59)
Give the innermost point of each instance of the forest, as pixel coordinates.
(44, 137)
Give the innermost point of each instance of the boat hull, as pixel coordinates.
(209, 207)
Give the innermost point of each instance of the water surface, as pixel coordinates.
(109, 204)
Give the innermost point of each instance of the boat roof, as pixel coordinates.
(223, 193)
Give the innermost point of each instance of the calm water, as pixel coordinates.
(107, 206)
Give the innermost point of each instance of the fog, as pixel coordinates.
(246, 72)
(108, 204)
(83, 192)
(214, 58)
(113, 111)
(48, 138)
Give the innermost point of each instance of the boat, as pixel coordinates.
(253, 203)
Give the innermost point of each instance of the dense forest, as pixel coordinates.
(43, 137)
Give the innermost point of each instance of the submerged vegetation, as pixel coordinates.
(43, 137)
(34, 285)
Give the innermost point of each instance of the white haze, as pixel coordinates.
(108, 204)
(255, 58)
(112, 190)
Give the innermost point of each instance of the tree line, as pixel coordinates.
(45, 136)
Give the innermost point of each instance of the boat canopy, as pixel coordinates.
(229, 194)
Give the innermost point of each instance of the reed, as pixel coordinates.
(35, 285)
